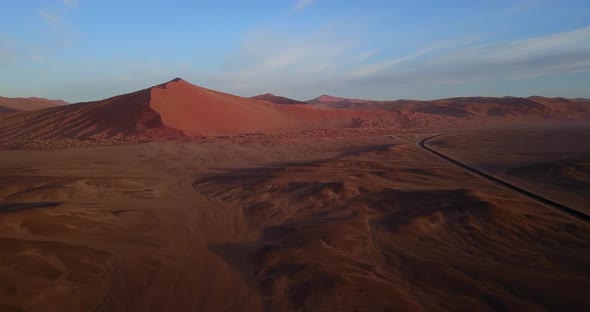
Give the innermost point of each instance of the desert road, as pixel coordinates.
(538, 198)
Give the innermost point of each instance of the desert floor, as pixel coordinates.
(552, 162)
(326, 224)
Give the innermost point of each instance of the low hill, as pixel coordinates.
(269, 97)
(504, 107)
(27, 104)
(334, 99)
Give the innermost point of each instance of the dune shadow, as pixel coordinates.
(13, 207)
(240, 258)
(399, 208)
(258, 175)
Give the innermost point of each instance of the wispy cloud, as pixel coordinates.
(102, 79)
(37, 58)
(70, 3)
(300, 5)
(300, 61)
(523, 6)
(50, 18)
(62, 33)
(559, 53)
(325, 61)
(370, 69)
(366, 55)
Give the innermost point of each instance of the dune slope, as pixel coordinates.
(169, 110)
(124, 116)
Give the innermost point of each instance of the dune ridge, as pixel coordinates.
(178, 109)
(171, 110)
(27, 104)
(486, 107)
(269, 97)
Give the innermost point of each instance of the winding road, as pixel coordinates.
(540, 199)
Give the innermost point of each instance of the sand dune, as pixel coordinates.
(28, 104)
(269, 97)
(179, 109)
(487, 107)
(127, 117)
(200, 111)
(333, 99)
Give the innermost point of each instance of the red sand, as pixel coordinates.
(175, 108)
(350, 224)
(200, 111)
(269, 97)
(486, 107)
(319, 211)
(170, 109)
(333, 99)
(27, 104)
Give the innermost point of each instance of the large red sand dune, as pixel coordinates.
(174, 108)
(179, 108)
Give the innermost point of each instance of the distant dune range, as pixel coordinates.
(277, 99)
(27, 104)
(179, 109)
(511, 107)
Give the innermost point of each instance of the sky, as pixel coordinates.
(83, 50)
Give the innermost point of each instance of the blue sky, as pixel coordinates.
(81, 50)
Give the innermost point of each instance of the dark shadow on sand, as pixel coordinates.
(12, 207)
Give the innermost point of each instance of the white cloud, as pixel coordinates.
(301, 5)
(61, 32)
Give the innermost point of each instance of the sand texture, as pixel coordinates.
(353, 224)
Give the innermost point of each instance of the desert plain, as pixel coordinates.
(180, 198)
